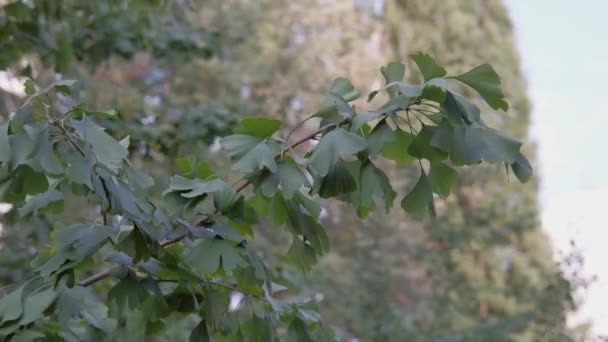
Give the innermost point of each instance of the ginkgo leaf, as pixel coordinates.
(200, 332)
(35, 304)
(428, 67)
(334, 145)
(374, 182)
(361, 118)
(251, 153)
(79, 170)
(207, 256)
(420, 197)
(521, 168)
(341, 91)
(338, 181)
(486, 82)
(393, 72)
(458, 109)
(344, 88)
(342, 107)
(468, 144)
(5, 149)
(302, 254)
(259, 127)
(190, 188)
(11, 305)
(441, 177)
(397, 148)
(42, 157)
(260, 157)
(421, 146)
(399, 102)
(108, 151)
(288, 179)
(378, 137)
(38, 202)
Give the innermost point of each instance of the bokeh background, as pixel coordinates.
(502, 262)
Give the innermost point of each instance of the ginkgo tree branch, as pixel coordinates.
(108, 272)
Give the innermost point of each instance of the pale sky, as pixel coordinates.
(564, 49)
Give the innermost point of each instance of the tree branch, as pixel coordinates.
(106, 273)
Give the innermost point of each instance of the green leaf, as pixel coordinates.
(110, 113)
(334, 145)
(138, 180)
(186, 165)
(250, 154)
(191, 188)
(302, 222)
(396, 103)
(79, 170)
(259, 127)
(421, 146)
(337, 181)
(397, 148)
(27, 336)
(442, 177)
(37, 202)
(204, 171)
(460, 109)
(420, 196)
(361, 118)
(29, 87)
(216, 306)
(138, 245)
(486, 82)
(521, 168)
(18, 10)
(11, 305)
(298, 331)
(42, 156)
(83, 240)
(129, 291)
(378, 137)
(238, 145)
(343, 108)
(393, 72)
(433, 93)
(257, 330)
(207, 256)
(21, 147)
(288, 179)
(35, 304)
(468, 144)
(302, 254)
(200, 333)
(341, 91)
(344, 88)
(5, 149)
(428, 67)
(411, 90)
(108, 151)
(374, 182)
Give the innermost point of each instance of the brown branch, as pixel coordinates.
(106, 273)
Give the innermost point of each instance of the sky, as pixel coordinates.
(563, 46)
